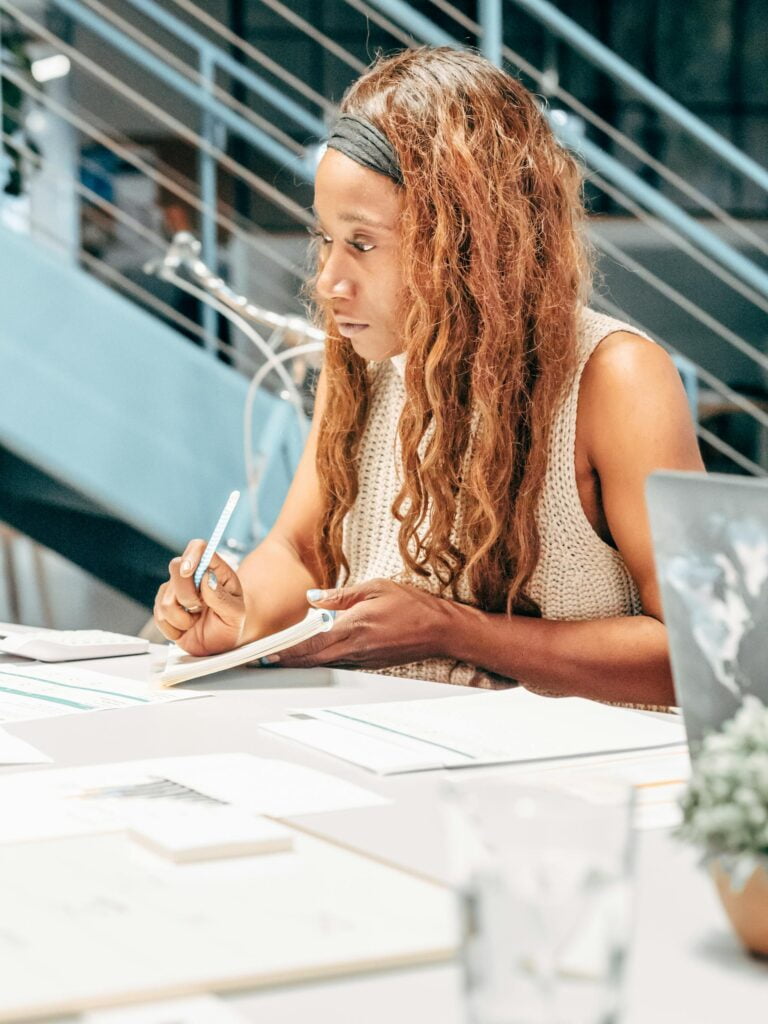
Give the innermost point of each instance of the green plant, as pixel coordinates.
(725, 806)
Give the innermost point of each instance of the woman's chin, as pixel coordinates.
(371, 349)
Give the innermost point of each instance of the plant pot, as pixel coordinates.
(747, 908)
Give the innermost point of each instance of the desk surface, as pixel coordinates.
(685, 965)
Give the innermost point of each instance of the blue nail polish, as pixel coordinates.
(315, 595)
(265, 662)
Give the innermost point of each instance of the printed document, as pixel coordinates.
(107, 797)
(44, 691)
(502, 727)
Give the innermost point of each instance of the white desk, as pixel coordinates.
(686, 967)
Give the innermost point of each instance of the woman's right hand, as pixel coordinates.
(201, 622)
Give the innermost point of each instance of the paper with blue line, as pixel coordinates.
(45, 691)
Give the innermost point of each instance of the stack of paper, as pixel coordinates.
(485, 728)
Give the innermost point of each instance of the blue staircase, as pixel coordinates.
(120, 439)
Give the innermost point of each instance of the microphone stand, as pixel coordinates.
(202, 283)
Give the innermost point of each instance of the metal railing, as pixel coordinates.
(303, 114)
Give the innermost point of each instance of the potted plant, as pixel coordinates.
(725, 811)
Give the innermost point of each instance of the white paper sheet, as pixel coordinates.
(144, 928)
(196, 1010)
(510, 726)
(94, 799)
(16, 751)
(43, 691)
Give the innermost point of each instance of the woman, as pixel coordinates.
(470, 499)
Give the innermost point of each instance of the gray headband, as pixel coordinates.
(364, 143)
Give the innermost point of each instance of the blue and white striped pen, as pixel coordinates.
(218, 532)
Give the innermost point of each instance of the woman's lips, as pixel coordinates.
(348, 328)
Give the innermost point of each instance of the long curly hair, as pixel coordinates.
(495, 269)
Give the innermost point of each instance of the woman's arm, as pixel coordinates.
(633, 419)
(268, 592)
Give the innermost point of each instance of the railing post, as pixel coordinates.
(491, 41)
(206, 166)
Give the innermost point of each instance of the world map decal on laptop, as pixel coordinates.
(710, 536)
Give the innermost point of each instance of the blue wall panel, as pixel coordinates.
(111, 401)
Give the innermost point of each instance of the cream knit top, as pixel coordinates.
(578, 575)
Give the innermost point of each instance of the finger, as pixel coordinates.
(229, 607)
(346, 597)
(191, 556)
(318, 650)
(169, 632)
(168, 609)
(226, 577)
(182, 588)
(331, 655)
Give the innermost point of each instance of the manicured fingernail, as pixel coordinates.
(268, 660)
(315, 595)
(186, 567)
(212, 581)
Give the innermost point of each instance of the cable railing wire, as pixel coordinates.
(615, 134)
(261, 186)
(256, 55)
(328, 44)
(194, 75)
(677, 298)
(134, 160)
(107, 269)
(669, 175)
(663, 229)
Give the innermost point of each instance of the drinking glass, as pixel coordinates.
(544, 878)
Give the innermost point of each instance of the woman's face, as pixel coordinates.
(358, 213)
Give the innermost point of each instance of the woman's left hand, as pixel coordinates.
(378, 624)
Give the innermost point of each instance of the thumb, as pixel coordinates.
(340, 598)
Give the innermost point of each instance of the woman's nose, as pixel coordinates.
(332, 282)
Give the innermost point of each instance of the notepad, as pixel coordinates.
(182, 667)
(185, 834)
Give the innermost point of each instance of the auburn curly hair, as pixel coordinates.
(495, 268)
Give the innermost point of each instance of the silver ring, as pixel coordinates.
(193, 611)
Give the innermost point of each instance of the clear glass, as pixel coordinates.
(544, 878)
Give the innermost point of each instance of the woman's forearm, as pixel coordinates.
(620, 659)
(275, 582)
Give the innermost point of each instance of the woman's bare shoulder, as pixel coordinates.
(628, 367)
(631, 390)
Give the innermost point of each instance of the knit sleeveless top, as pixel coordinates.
(578, 575)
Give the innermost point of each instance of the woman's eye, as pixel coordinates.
(362, 246)
(320, 236)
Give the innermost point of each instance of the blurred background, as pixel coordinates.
(134, 399)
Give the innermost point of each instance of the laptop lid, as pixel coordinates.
(710, 538)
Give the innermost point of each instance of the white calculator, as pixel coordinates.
(71, 644)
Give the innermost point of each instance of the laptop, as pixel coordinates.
(710, 537)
